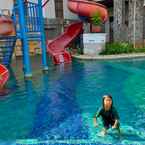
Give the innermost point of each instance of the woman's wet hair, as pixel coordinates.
(107, 96)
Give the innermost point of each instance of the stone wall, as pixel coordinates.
(129, 21)
(53, 28)
(136, 19)
(118, 25)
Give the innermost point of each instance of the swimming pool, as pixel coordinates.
(58, 106)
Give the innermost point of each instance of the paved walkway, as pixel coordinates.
(105, 57)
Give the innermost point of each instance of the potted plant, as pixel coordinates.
(96, 22)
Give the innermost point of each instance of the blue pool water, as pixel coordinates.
(58, 106)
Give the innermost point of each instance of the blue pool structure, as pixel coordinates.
(57, 107)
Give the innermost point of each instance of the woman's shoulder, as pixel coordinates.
(114, 109)
(99, 109)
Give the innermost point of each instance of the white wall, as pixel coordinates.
(6, 4)
(67, 13)
(49, 9)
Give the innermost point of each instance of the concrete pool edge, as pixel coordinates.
(109, 57)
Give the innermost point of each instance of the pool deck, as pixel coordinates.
(108, 57)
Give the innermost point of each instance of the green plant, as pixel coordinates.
(119, 48)
(96, 19)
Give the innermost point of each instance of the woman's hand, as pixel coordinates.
(115, 124)
(95, 122)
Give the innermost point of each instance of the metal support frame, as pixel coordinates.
(31, 15)
(43, 42)
(26, 58)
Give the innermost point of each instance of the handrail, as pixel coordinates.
(43, 5)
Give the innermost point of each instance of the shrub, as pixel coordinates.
(96, 19)
(119, 48)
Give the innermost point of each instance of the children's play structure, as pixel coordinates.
(27, 24)
(7, 42)
(57, 48)
(28, 20)
(4, 75)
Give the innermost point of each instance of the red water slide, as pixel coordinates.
(4, 75)
(88, 8)
(57, 47)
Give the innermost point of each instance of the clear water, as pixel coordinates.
(58, 106)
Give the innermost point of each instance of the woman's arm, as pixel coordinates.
(95, 122)
(96, 116)
(116, 117)
(115, 123)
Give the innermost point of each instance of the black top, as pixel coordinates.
(111, 114)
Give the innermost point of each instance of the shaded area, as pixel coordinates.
(58, 115)
(107, 3)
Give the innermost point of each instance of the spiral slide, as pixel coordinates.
(57, 47)
(87, 8)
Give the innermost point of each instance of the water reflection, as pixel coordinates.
(58, 115)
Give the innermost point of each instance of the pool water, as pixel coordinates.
(57, 107)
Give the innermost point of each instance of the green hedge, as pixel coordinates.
(119, 48)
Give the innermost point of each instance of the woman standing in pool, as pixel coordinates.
(109, 115)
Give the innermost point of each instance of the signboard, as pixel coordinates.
(94, 43)
(94, 38)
